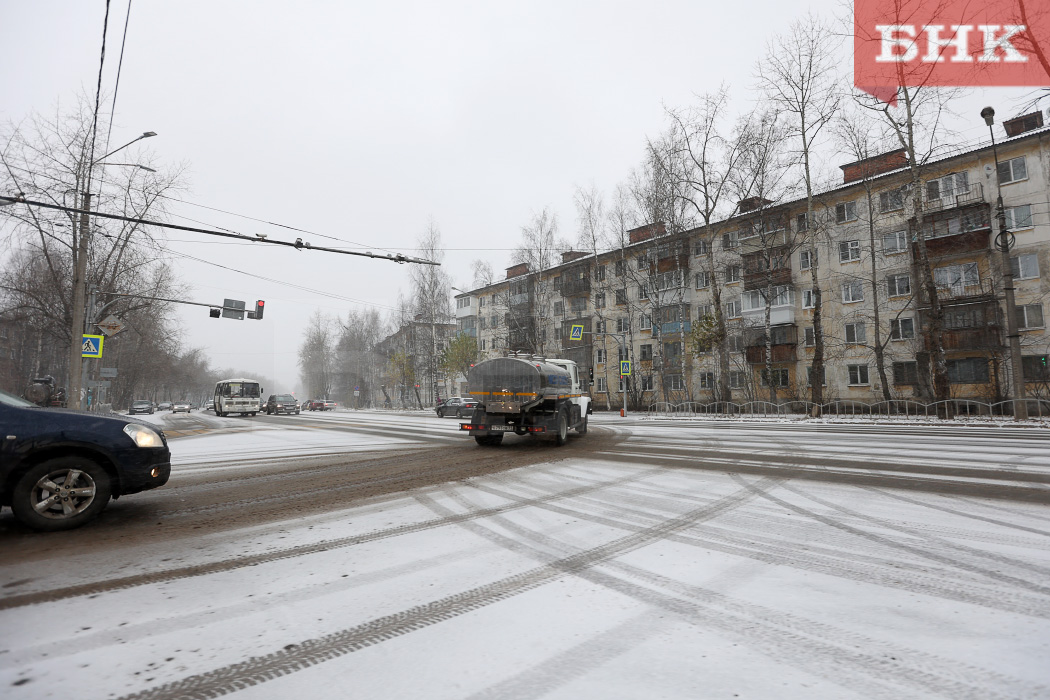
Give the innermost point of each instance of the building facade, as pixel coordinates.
(643, 301)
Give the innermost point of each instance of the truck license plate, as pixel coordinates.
(502, 428)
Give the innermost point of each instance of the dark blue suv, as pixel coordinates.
(59, 468)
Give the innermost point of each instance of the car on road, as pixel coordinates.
(140, 407)
(281, 403)
(59, 468)
(458, 405)
(317, 405)
(329, 405)
(184, 406)
(164, 406)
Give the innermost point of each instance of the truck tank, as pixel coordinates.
(515, 384)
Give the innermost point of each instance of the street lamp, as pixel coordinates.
(1004, 241)
(79, 313)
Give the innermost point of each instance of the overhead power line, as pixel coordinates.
(299, 243)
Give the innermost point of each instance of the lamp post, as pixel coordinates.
(78, 325)
(1004, 241)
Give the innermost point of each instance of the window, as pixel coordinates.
(643, 262)
(849, 251)
(643, 291)
(810, 336)
(801, 223)
(735, 343)
(619, 268)
(733, 309)
(645, 322)
(852, 291)
(963, 317)
(1035, 368)
(730, 240)
(970, 220)
(599, 300)
(481, 346)
(898, 285)
(891, 201)
(902, 329)
(703, 310)
(483, 323)
(703, 280)
(906, 372)
(1019, 217)
(809, 299)
(783, 295)
(1012, 171)
(668, 280)
(599, 356)
(856, 333)
(646, 382)
(733, 273)
(599, 326)
(1029, 316)
(957, 276)
(847, 211)
(621, 354)
(481, 302)
(807, 259)
(462, 302)
(858, 375)
(948, 186)
(621, 296)
(970, 370)
(557, 282)
(559, 308)
(674, 382)
(623, 325)
(1025, 267)
(599, 273)
(645, 352)
(701, 247)
(736, 379)
(707, 380)
(780, 378)
(823, 376)
(896, 242)
(601, 384)
(578, 304)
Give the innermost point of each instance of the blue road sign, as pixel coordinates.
(625, 368)
(92, 346)
(576, 332)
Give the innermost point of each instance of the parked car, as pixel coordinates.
(164, 406)
(281, 403)
(458, 405)
(59, 468)
(140, 407)
(181, 406)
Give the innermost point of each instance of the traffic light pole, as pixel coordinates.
(621, 341)
(258, 304)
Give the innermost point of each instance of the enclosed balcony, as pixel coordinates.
(785, 344)
(959, 231)
(757, 266)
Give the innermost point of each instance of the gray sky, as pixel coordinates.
(365, 121)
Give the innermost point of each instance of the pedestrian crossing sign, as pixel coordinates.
(576, 332)
(625, 368)
(92, 346)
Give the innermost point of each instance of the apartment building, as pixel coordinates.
(642, 302)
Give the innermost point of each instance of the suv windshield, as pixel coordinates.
(12, 400)
(285, 397)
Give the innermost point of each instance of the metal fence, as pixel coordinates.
(1038, 409)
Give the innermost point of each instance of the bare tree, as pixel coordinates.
(432, 298)
(798, 76)
(317, 355)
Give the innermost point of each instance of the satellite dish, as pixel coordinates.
(988, 171)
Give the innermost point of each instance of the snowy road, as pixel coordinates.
(336, 553)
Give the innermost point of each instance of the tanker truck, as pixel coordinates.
(526, 395)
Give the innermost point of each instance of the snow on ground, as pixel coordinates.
(609, 576)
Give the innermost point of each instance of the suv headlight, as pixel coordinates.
(143, 436)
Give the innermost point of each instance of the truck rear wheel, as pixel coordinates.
(562, 436)
(489, 440)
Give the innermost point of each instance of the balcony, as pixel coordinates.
(672, 262)
(756, 354)
(575, 287)
(984, 338)
(952, 200)
(956, 244)
(758, 280)
(778, 315)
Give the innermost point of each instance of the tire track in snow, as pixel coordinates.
(155, 577)
(260, 669)
(812, 646)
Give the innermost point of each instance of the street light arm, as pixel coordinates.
(145, 135)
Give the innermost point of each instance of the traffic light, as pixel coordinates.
(215, 313)
(260, 306)
(592, 375)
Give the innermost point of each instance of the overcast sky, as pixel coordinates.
(367, 121)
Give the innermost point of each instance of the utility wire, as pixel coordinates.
(299, 244)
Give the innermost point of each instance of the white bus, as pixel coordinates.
(237, 396)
